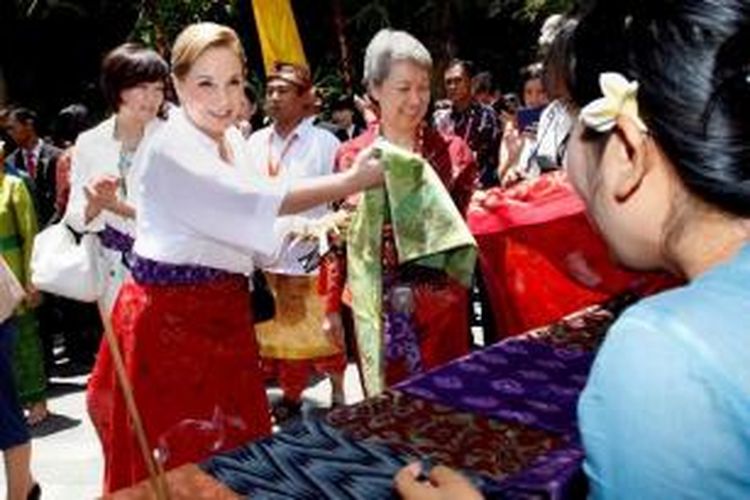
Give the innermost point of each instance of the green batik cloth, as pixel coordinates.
(18, 227)
(428, 230)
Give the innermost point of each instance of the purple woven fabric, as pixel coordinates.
(150, 272)
(551, 476)
(520, 380)
(399, 334)
(115, 240)
(401, 340)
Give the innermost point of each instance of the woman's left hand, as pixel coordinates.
(104, 191)
(101, 194)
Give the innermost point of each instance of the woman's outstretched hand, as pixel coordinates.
(367, 169)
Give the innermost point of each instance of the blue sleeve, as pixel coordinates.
(649, 418)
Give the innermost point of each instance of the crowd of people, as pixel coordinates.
(645, 110)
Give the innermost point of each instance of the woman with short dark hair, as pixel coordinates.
(103, 185)
(129, 66)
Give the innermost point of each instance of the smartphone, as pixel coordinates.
(528, 118)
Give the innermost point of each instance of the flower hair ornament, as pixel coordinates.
(619, 100)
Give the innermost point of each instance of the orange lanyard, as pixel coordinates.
(274, 167)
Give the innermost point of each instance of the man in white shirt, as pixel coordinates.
(292, 147)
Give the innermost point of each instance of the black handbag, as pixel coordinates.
(263, 304)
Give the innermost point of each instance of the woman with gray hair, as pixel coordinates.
(397, 74)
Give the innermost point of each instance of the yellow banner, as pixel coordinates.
(277, 30)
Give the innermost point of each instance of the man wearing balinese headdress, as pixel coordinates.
(293, 344)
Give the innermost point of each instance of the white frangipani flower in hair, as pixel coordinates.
(619, 100)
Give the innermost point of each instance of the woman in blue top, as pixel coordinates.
(661, 156)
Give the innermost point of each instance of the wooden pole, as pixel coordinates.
(155, 468)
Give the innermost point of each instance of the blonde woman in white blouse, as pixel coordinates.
(184, 317)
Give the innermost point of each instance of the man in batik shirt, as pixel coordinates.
(474, 122)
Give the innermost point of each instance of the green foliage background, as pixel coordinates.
(50, 50)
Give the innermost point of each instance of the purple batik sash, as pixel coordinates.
(116, 240)
(151, 272)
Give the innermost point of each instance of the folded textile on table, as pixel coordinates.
(535, 379)
(460, 440)
(311, 460)
(554, 475)
(524, 381)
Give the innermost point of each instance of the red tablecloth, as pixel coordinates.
(539, 256)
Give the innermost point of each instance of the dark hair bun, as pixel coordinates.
(728, 125)
(690, 58)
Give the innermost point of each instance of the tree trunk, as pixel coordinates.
(346, 62)
(445, 46)
(150, 10)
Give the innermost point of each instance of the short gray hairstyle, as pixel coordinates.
(389, 46)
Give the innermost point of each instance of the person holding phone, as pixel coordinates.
(519, 135)
(555, 122)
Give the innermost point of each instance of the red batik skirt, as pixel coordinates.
(441, 320)
(192, 359)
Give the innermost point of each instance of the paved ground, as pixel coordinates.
(66, 456)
